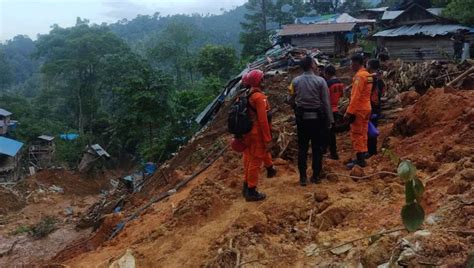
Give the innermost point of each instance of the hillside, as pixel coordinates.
(349, 219)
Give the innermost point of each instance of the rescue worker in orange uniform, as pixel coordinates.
(358, 112)
(336, 91)
(268, 160)
(258, 140)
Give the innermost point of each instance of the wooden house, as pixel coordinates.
(41, 152)
(9, 159)
(417, 34)
(330, 38)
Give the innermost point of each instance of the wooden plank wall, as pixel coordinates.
(324, 42)
(419, 48)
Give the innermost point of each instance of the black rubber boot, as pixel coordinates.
(271, 172)
(303, 181)
(254, 196)
(361, 159)
(245, 189)
(334, 156)
(315, 180)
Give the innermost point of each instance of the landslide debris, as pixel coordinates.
(207, 222)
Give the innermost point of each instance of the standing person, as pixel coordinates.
(268, 160)
(458, 43)
(258, 140)
(310, 99)
(378, 89)
(336, 91)
(358, 112)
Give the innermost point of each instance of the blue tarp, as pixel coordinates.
(9, 147)
(150, 168)
(69, 136)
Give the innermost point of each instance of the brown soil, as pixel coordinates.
(208, 223)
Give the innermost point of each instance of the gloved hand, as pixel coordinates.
(350, 117)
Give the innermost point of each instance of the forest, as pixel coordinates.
(135, 86)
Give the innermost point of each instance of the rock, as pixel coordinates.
(378, 253)
(458, 187)
(357, 171)
(468, 174)
(320, 195)
(408, 97)
(126, 261)
(432, 219)
(341, 250)
(422, 233)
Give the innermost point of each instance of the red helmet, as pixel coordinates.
(245, 79)
(254, 78)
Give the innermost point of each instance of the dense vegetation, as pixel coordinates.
(135, 86)
(134, 92)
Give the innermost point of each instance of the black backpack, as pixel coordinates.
(239, 121)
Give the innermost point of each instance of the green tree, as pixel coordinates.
(174, 47)
(326, 6)
(216, 61)
(5, 72)
(255, 36)
(460, 10)
(286, 11)
(73, 57)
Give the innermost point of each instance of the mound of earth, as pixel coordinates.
(435, 108)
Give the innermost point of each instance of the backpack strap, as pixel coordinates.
(249, 94)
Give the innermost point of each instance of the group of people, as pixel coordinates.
(314, 96)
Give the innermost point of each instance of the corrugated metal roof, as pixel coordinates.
(300, 29)
(346, 18)
(419, 29)
(46, 138)
(9, 147)
(391, 14)
(377, 9)
(435, 10)
(99, 150)
(4, 112)
(314, 19)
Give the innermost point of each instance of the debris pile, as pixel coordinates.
(401, 76)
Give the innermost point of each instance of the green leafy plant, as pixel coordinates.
(46, 226)
(412, 212)
(21, 230)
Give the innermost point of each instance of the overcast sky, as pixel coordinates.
(31, 17)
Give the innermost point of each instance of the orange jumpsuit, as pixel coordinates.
(256, 153)
(360, 107)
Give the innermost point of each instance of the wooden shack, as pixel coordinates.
(330, 38)
(9, 159)
(41, 152)
(92, 154)
(417, 34)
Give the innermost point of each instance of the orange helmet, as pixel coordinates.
(254, 78)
